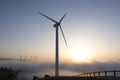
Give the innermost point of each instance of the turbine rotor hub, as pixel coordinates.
(56, 25)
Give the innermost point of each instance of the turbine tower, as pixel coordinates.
(57, 25)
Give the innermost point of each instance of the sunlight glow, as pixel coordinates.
(80, 53)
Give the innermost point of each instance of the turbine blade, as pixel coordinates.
(62, 18)
(48, 17)
(63, 35)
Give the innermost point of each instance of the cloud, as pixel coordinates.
(69, 69)
(91, 67)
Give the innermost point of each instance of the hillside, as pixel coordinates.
(77, 78)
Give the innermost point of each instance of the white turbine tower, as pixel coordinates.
(57, 25)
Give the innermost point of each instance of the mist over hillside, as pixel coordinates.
(29, 69)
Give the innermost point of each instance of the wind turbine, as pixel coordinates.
(57, 25)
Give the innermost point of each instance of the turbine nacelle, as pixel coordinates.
(56, 25)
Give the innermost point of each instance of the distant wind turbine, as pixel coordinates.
(20, 57)
(57, 25)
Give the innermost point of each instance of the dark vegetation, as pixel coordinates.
(8, 74)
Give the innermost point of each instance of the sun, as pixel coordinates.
(80, 53)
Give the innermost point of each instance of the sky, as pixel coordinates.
(91, 28)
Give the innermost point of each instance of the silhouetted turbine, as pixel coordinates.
(56, 25)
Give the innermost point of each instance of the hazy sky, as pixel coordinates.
(93, 24)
